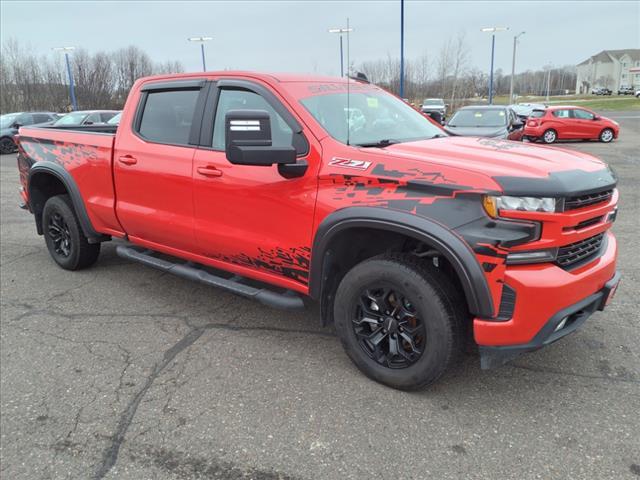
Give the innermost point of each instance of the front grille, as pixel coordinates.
(576, 252)
(571, 203)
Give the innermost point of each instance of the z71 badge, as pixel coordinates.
(346, 163)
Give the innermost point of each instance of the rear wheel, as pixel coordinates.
(549, 136)
(63, 235)
(6, 145)
(606, 135)
(398, 321)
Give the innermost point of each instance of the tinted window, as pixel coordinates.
(106, 116)
(583, 115)
(562, 113)
(41, 117)
(281, 133)
(25, 119)
(167, 116)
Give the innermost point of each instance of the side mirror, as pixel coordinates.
(248, 140)
(17, 125)
(596, 117)
(517, 125)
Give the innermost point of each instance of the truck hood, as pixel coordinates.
(519, 168)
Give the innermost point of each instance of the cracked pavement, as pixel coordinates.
(123, 372)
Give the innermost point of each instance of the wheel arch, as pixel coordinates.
(433, 234)
(47, 179)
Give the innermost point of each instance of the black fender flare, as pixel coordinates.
(36, 203)
(451, 245)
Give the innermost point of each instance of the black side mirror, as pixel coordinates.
(517, 124)
(595, 117)
(17, 125)
(248, 140)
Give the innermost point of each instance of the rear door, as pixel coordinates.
(564, 123)
(252, 217)
(153, 164)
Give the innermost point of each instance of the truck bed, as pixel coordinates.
(86, 154)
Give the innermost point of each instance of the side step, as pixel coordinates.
(287, 300)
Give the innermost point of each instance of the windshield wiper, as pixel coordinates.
(379, 144)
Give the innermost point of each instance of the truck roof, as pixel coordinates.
(269, 76)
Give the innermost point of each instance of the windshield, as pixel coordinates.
(431, 101)
(71, 119)
(373, 117)
(480, 117)
(7, 120)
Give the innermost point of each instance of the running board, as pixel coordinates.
(287, 300)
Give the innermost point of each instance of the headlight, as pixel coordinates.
(493, 204)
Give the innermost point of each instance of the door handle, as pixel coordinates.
(209, 171)
(128, 160)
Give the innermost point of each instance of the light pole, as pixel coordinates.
(340, 32)
(72, 90)
(548, 80)
(493, 31)
(402, 49)
(201, 41)
(513, 65)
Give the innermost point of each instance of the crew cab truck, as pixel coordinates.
(265, 186)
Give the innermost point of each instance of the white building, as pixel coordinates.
(610, 69)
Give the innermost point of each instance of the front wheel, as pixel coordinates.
(398, 321)
(549, 136)
(63, 235)
(606, 135)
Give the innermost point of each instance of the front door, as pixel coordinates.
(251, 218)
(153, 163)
(586, 125)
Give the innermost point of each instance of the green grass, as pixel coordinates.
(614, 102)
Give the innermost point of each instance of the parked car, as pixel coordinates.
(626, 90)
(115, 120)
(638, 93)
(486, 121)
(435, 108)
(11, 122)
(410, 240)
(85, 117)
(523, 110)
(601, 91)
(567, 123)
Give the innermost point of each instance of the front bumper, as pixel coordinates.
(559, 325)
(544, 295)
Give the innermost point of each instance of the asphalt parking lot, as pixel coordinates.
(123, 372)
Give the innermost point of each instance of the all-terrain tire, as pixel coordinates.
(433, 298)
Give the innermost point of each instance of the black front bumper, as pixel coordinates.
(573, 316)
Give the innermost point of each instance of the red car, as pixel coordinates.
(294, 186)
(569, 123)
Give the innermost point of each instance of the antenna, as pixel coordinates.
(348, 82)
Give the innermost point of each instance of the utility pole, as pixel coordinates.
(72, 90)
(340, 32)
(513, 66)
(493, 31)
(548, 81)
(201, 41)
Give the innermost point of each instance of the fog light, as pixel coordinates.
(536, 256)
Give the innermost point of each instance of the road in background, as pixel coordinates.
(121, 371)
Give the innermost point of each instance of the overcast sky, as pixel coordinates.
(292, 36)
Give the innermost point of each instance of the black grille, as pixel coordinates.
(571, 203)
(575, 252)
(507, 303)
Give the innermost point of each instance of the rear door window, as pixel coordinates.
(168, 115)
(562, 113)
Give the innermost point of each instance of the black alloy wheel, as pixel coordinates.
(388, 327)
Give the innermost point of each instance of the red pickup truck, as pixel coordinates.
(281, 187)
